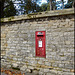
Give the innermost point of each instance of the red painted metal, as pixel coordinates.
(40, 43)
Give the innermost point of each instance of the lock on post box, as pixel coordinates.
(40, 43)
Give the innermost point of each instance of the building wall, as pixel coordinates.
(18, 45)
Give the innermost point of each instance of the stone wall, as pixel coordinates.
(18, 44)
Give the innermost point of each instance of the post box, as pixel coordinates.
(40, 43)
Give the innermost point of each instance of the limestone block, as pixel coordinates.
(69, 66)
(53, 53)
(33, 61)
(8, 66)
(18, 62)
(67, 54)
(14, 58)
(72, 54)
(35, 72)
(63, 50)
(63, 58)
(15, 42)
(53, 27)
(28, 70)
(67, 42)
(41, 73)
(12, 47)
(41, 69)
(15, 65)
(66, 70)
(48, 63)
(70, 29)
(45, 22)
(46, 70)
(54, 64)
(30, 67)
(9, 42)
(67, 73)
(40, 62)
(23, 68)
(24, 42)
(50, 74)
(19, 59)
(67, 19)
(3, 35)
(61, 65)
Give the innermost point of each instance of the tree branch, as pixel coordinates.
(13, 3)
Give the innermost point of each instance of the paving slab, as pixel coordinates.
(25, 74)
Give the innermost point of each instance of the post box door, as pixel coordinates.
(40, 44)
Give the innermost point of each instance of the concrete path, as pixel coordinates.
(3, 74)
(25, 74)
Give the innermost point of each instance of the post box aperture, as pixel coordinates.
(40, 43)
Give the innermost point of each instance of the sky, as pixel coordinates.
(64, 0)
(45, 1)
(40, 2)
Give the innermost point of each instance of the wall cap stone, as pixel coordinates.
(39, 15)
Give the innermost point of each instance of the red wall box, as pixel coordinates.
(40, 43)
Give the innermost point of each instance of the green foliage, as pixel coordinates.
(38, 8)
(52, 4)
(48, 7)
(44, 7)
(28, 6)
(7, 8)
(70, 4)
(70, 1)
(10, 10)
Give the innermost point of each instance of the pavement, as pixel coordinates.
(3, 74)
(11, 71)
(25, 74)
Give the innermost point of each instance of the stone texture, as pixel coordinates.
(18, 45)
(23, 68)
(46, 70)
(15, 65)
(35, 72)
(28, 70)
